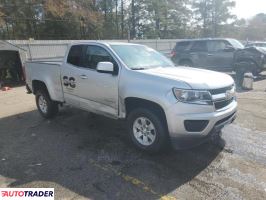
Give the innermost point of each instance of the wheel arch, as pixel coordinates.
(132, 103)
(242, 63)
(38, 85)
(49, 87)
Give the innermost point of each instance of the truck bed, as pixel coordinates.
(48, 72)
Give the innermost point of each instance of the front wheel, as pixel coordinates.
(147, 130)
(47, 107)
(240, 76)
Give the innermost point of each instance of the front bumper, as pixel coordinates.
(177, 115)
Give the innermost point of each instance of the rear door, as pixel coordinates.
(220, 57)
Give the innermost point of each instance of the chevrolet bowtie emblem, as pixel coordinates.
(229, 94)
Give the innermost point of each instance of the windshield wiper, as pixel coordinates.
(150, 67)
(138, 68)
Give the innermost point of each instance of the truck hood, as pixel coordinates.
(259, 49)
(262, 50)
(196, 78)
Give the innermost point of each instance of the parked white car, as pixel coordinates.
(160, 102)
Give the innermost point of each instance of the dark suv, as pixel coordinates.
(213, 54)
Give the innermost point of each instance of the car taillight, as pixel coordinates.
(173, 53)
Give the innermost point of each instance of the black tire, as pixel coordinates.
(161, 136)
(52, 106)
(240, 73)
(186, 63)
(240, 76)
(242, 68)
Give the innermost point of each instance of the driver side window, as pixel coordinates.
(214, 46)
(95, 54)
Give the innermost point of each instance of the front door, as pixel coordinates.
(219, 58)
(94, 91)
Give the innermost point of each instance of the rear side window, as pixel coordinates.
(199, 46)
(75, 55)
(182, 46)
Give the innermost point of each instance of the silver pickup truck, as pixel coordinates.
(160, 102)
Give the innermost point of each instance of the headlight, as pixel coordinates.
(193, 96)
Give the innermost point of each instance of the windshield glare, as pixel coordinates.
(236, 44)
(141, 57)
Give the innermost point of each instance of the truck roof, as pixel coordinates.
(103, 42)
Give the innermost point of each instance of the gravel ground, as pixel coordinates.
(84, 156)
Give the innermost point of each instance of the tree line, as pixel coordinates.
(125, 19)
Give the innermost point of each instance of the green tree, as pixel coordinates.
(256, 29)
(19, 18)
(49, 19)
(73, 18)
(212, 15)
(113, 19)
(159, 19)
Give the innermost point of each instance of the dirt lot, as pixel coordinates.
(84, 156)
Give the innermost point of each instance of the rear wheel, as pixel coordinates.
(147, 130)
(47, 107)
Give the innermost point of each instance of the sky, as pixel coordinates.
(249, 8)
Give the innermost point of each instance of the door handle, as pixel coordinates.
(210, 54)
(83, 76)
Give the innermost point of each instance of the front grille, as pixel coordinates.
(223, 103)
(220, 90)
(217, 101)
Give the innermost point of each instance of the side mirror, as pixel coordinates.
(229, 49)
(105, 67)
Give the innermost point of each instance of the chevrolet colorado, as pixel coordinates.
(160, 102)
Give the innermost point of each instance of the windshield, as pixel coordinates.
(236, 44)
(138, 57)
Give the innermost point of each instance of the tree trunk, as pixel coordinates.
(157, 20)
(215, 19)
(205, 19)
(116, 18)
(122, 19)
(133, 19)
(105, 11)
(165, 24)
